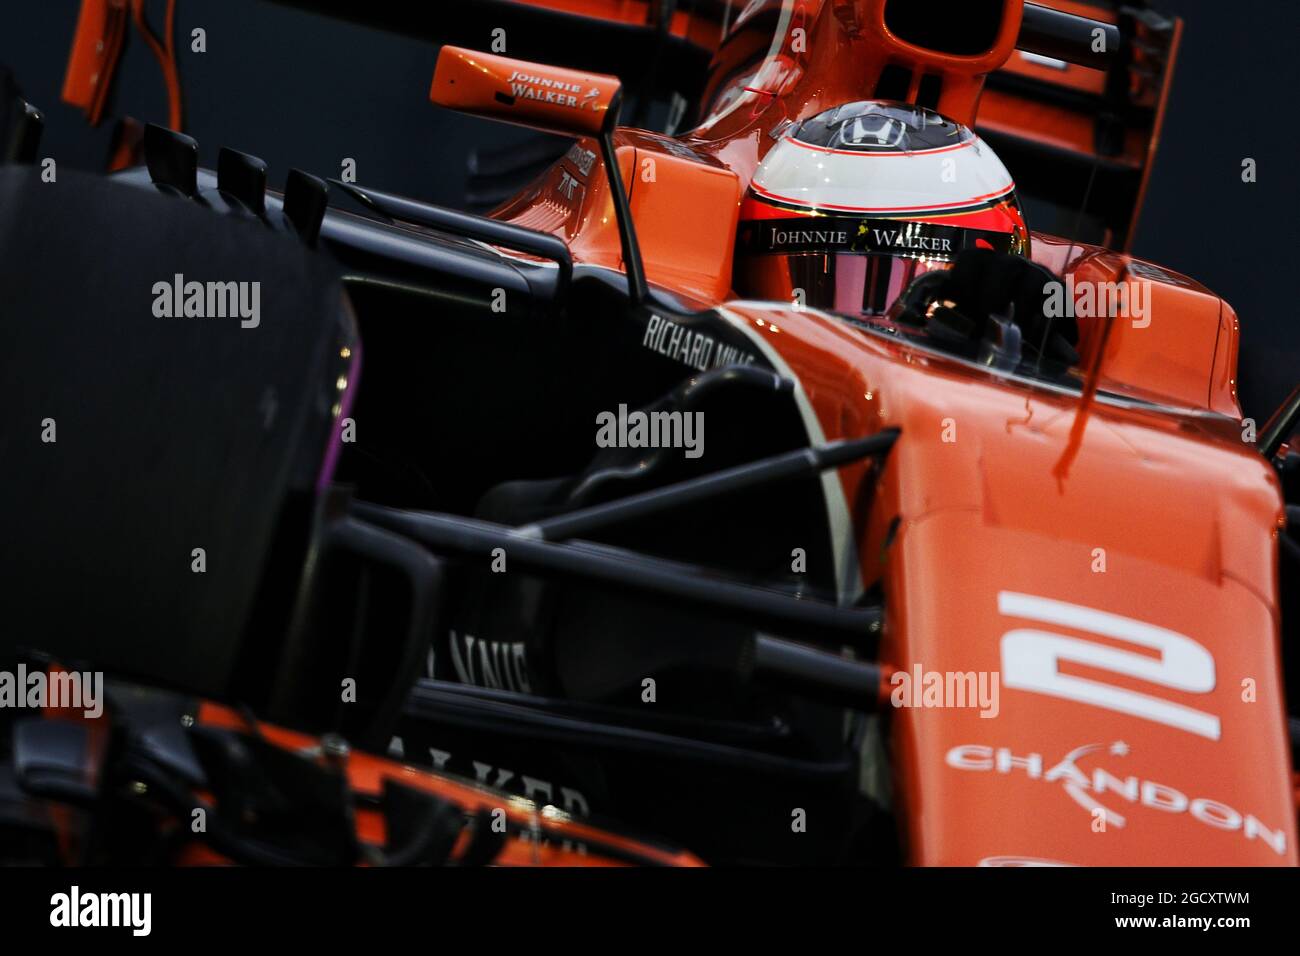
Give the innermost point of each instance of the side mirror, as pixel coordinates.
(548, 98)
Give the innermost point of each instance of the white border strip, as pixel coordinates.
(844, 550)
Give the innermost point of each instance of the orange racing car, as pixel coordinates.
(773, 482)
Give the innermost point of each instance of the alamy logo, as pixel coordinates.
(1091, 300)
(940, 689)
(209, 300)
(65, 690)
(74, 908)
(651, 430)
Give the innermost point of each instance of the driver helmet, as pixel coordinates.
(850, 205)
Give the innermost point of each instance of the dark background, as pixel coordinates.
(303, 90)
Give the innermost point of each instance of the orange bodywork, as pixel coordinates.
(97, 48)
(547, 97)
(1129, 602)
(1181, 516)
(687, 205)
(560, 840)
(553, 837)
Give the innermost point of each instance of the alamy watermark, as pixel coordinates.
(1090, 300)
(624, 429)
(941, 689)
(208, 300)
(74, 909)
(65, 690)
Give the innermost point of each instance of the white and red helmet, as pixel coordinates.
(852, 204)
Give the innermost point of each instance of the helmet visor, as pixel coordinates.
(850, 265)
(853, 283)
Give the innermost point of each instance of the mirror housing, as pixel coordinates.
(552, 99)
(549, 98)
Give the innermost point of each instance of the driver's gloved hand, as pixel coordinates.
(981, 284)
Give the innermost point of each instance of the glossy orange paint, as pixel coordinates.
(96, 49)
(1183, 514)
(990, 561)
(687, 203)
(1073, 128)
(1052, 125)
(1223, 381)
(829, 53)
(826, 53)
(550, 98)
(1168, 352)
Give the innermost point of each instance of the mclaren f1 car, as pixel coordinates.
(660, 493)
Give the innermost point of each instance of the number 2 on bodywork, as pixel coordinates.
(1030, 659)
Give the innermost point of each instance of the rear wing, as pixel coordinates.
(1076, 112)
(1071, 93)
